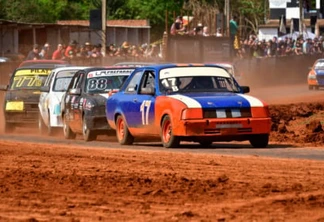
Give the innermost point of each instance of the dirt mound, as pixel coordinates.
(297, 123)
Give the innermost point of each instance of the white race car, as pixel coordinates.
(50, 98)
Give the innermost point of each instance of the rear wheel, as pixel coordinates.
(260, 141)
(68, 133)
(168, 139)
(123, 135)
(43, 129)
(88, 135)
(310, 87)
(316, 87)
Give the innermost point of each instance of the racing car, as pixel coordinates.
(50, 98)
(83, 104)
(22, 96)
(187, 102)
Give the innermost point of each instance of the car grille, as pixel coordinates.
(227, 113)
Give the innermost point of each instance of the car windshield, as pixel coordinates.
(193, 79)
(319, 65)
(102, 81)
(62, 80)
(29, 78)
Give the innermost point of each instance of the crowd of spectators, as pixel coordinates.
(88, 53)
(286, 46)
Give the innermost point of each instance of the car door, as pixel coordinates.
(43, 98)
(142, 104)
(77, 104)
(72, 100)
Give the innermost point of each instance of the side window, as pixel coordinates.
(134, 82)
(49, 79)
(148, 80)
(77, 81)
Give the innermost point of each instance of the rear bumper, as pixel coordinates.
(22, 118)
(97, 123)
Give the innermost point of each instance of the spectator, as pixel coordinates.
(34, 53)
(70, 51)
(45, 52)
(233, 32)
(219, 32)
(58, 54)
(205, 31)
(177, 27)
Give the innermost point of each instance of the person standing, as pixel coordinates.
(233, 33)
(34, 53)
(58, 53)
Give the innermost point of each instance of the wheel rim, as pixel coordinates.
(121, 129)
(167, 129)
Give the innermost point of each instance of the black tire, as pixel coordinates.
(88, 135)
(68, 133)
(316, 87)
(9, 127)
(310, 87)
(123, 135)
(259, 141)
(168, 139)
(43, 129)
(205, 144)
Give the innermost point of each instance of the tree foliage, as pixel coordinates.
(251, 12)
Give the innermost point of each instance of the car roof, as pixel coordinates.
(174, 65)
(135, 64)
(42, 62)
(70, 68)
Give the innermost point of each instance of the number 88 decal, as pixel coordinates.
(97, 84)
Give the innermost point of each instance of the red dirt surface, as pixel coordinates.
(41, 182)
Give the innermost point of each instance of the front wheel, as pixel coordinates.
(68, 133)
(259, 141)
(123, 135)
(168, 139)
(88, 135)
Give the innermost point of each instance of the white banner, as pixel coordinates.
(278, 3)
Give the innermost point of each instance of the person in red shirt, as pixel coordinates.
(70, 51)
(58, 53)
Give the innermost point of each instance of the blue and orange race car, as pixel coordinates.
(187, 102)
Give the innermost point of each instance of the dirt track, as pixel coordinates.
(41, 182)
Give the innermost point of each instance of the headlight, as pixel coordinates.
(193, 113)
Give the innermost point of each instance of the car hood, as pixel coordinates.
(23, 95)
(218, 100)
(319, 71)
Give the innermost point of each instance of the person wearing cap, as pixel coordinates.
(34, 53)
(70, 51)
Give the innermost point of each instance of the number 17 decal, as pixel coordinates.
(145, 109)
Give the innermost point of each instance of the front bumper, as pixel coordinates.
(223, 129)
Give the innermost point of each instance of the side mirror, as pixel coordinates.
(76, 91)
(245, 89)
(148, 91)
(44, 89)
(3, 87)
